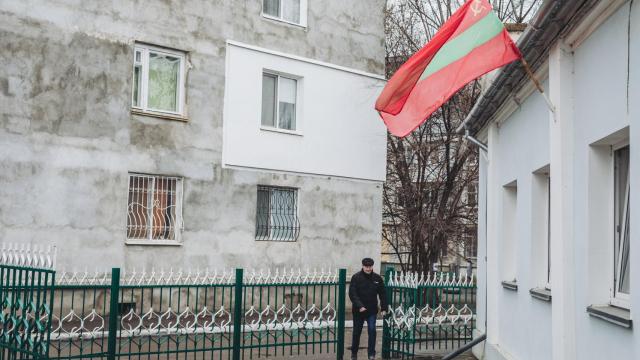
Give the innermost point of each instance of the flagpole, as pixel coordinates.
(527, 68)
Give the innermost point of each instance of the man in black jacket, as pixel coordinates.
(364, 290)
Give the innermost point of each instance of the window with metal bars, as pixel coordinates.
(277, 214)
(154, 208)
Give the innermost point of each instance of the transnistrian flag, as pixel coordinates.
(472, 42)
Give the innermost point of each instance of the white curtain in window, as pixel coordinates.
(287, 103)
(268, 100)
(164, 71)
(271, 7)
(291, 10)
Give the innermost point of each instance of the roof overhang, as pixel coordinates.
(554, 19)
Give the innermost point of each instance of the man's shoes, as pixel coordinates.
(354, 357)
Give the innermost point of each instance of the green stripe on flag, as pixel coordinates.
(457, 48)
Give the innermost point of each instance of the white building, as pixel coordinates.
(558, 260)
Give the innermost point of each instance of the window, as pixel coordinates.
(279, 101)
(158, 80)
(291, 11)
(541, 227)
(154, 208)
(547, 254)
(470, 243)
(621, 279)
(507, 249)
(277, 214)
(472, 195)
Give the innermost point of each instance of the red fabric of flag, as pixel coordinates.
(471, 43)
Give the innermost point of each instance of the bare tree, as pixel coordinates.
(429, 196)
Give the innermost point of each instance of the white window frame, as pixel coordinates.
(280, 18)
(548, 233)
(179, 223)
(145, 49)
(617, 298)
(277, 128)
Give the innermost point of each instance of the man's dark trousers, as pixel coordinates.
(358, 322)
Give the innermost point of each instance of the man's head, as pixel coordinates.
(367, 265)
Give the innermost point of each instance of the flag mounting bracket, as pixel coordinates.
(527, 68)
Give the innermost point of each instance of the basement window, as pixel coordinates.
(154, 211)
(277, 214)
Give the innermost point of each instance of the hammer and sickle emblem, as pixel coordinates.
(477, 7)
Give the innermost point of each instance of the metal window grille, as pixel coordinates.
(277, 214)
(153, 211)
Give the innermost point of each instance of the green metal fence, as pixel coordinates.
(211, 315)
(198, 315)
(429, 312)
(26, 293)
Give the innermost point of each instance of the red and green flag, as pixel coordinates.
(472, 42)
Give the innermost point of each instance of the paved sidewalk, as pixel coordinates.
(362, 352)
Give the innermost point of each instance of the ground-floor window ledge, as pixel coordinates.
(510, 285)
(612, 314)
(541, 294)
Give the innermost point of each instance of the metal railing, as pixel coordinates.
(212, 315)
(26, 294)
(208, 314)
(436, 311)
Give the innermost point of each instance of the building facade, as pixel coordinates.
(192, 134)
(557, 252)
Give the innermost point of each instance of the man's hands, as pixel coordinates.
(363, 309)
(383, 313)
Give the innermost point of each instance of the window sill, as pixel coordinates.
(153, 242)
(159, 115)
(276, 240)
(541, 294)
(282, 131)
(277, 19)
(510, 285)
(612, 314)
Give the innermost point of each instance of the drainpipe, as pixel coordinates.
(475, 141)
(463, 349)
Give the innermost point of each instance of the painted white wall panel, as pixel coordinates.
(338, 134)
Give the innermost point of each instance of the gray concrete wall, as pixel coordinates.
(68, 139)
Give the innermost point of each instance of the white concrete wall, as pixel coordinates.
(600, 88)
(520, 147)
(597, 107)
(338, 132)
(634, 136)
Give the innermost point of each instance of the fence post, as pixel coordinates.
(237, 315)
(342, 284)
(386, 333)
(114, 312)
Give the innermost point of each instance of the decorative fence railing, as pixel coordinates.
(26, 294)
(220, 315)
(427, 312)
(212, 314)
